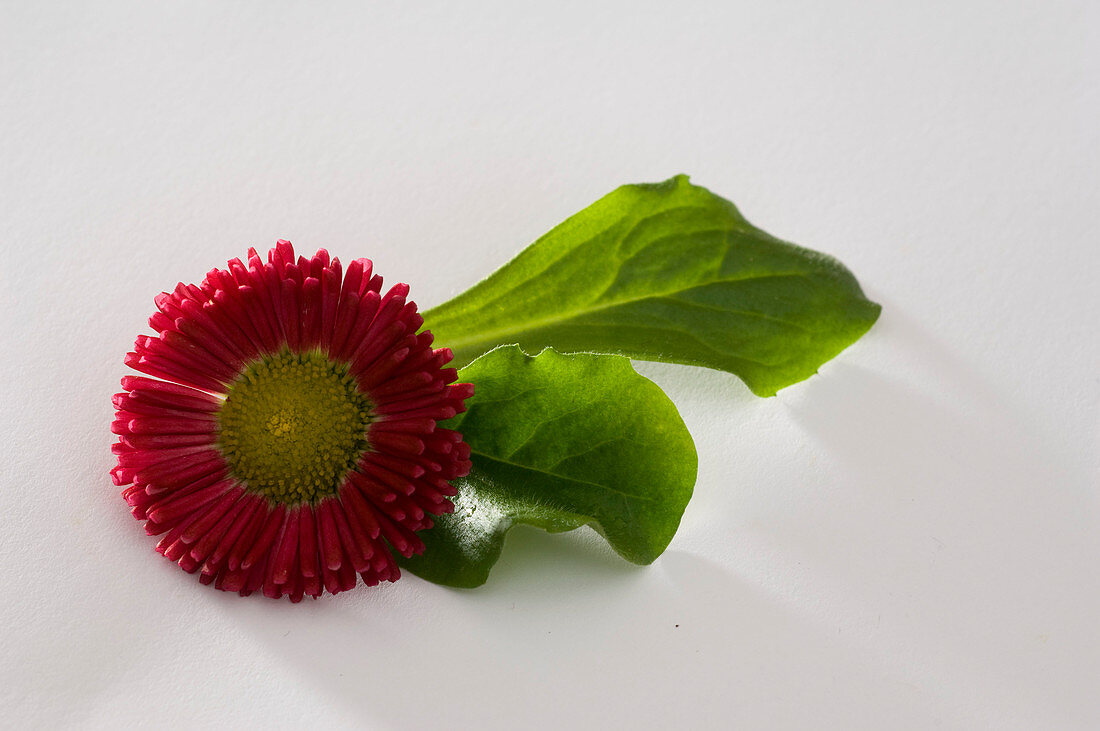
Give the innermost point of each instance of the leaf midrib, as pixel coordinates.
(555, 475)
(495, 336)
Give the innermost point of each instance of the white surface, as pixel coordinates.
(908, 540)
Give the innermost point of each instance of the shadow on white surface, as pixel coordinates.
(587, 633)
(940, 495)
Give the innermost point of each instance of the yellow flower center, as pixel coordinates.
(293, 425)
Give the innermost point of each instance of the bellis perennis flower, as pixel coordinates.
(287, 436)
(287, 439)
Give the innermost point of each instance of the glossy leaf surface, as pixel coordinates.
(560, 441)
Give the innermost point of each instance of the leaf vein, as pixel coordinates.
(531, 325)
(568, 478)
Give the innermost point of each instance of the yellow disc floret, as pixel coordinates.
(293, 425)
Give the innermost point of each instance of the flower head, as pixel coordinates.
(288, 437)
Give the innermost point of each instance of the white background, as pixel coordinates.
(907, 540)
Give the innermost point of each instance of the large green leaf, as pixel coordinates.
(667, 272)
(560, 441)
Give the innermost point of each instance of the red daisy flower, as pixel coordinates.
(288, 437)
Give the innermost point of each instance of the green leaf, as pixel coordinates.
(667, 272)
(560, 441)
